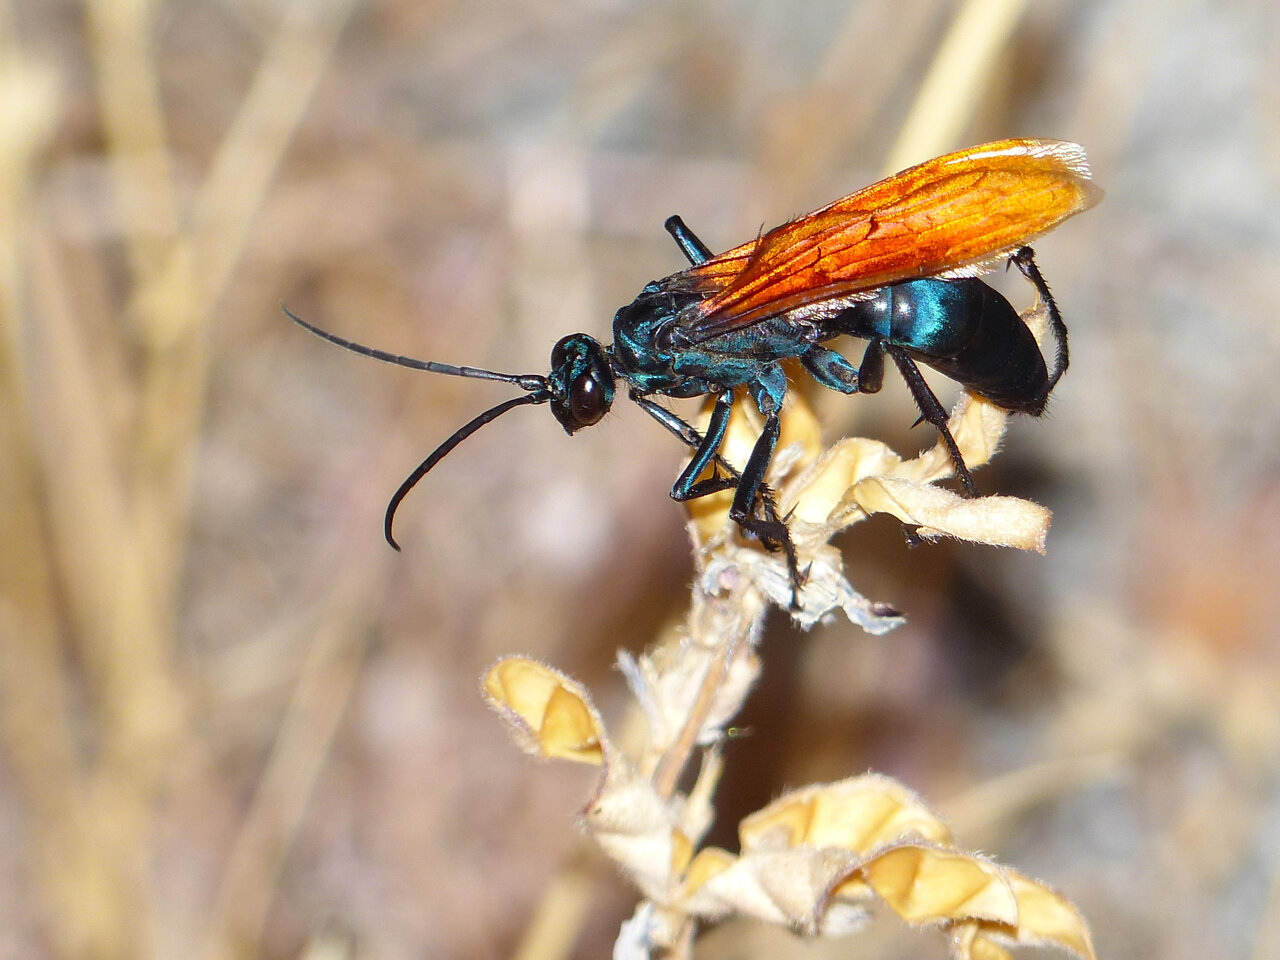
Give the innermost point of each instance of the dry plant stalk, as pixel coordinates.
(819, 858)
(100, 415)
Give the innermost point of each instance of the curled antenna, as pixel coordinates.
(539, 391)
(445, 448)
(529, 381)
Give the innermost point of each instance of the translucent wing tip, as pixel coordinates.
(1071, 157)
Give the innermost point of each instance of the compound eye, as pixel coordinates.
(588, 399)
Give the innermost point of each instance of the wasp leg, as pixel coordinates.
(1025, 260)
(694, 249)
(797, 576)
(681, 430)
(771, 530)
(871, 370)
(769, 504)
(687, 485)
(931, 412)
(870, 380)
(685, 433)
(830, 369)
(768, 389)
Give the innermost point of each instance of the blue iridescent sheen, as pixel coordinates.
(961, 327)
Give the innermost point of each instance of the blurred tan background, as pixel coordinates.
(236, 724)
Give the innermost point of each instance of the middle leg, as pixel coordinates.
(768, 502)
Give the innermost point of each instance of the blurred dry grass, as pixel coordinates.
(234, 724)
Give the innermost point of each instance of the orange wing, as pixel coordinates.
(956, 215)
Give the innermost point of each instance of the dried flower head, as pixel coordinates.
(819, 859)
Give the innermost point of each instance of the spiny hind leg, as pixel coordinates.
(931, 412)
(1025, 260)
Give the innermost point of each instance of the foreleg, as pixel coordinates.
(687, 486)
(769, 505)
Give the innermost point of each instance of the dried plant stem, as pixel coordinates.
(561, 913)
(677, 755)
(728, 645)
(297, 758)
(133, 121)
(104, 572)
(115, 525)
(1266, 941)
(982, 809)
(174, 307)
(35, 696)
(952, 89)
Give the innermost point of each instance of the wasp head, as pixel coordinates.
(581, 383)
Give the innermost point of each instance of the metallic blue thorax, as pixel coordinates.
(961, 327)
(651, 355)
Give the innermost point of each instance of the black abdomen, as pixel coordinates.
(962, 328)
